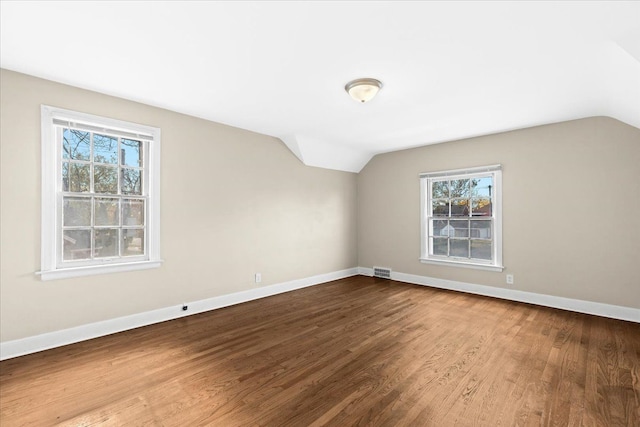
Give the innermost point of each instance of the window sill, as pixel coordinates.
(65, 273)
(474, 266)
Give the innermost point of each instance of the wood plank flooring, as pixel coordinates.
(358, 351)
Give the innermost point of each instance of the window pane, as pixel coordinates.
(132, 212)
(105, 149)
(440, 207)
(440, 246)
(77, 211)
(440, 190)
(77, 244)
(106, 242)
(459, 207)
(481, 249)
(459, 248)
(131, 181)
(106, 212)
(460, 228)
(65, 176)
(439, 227)
(481, 229)
(459, 188)
(105, 179)
(76, 144)
(132, 242)
(481, 207)
(481, 187)
(131, 152)
(79, 178)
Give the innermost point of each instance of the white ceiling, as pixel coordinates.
(450, 70)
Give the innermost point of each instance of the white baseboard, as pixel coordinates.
(588, 307)
(15, 348)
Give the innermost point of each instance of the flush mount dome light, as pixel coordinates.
(363, 90)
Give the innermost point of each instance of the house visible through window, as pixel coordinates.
(461, 217)
(100, 194)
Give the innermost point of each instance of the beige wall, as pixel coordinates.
(571, 196)
(233, 203)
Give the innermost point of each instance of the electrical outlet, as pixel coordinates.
(258, 278)
(509, 279)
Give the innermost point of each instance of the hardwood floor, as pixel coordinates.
(358, 351)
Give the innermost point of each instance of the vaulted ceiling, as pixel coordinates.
(450, 70)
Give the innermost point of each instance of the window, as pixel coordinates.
(100, 195)
(461, 218)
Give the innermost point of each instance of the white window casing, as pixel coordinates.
(56, 121)
(458, 237)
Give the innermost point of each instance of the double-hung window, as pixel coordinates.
(100, 195)
(462, 218)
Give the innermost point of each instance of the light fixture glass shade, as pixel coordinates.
(363, 90)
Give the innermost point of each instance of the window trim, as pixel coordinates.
(51, 117)
(425, 200)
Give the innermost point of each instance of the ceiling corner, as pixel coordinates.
(322, 154)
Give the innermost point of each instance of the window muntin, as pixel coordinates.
(461, 217)
(100, 193)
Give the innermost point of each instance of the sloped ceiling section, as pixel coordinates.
(450, 70)
(314, 152)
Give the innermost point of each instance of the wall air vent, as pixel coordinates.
(382, 272)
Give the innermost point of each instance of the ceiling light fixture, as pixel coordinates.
(363, 90)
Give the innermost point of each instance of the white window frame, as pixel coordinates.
(51, 265)
(495, 264)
